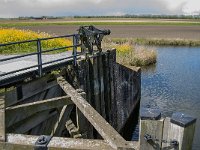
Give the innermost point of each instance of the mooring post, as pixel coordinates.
(179, 131)
(151, 125)
(2, 118)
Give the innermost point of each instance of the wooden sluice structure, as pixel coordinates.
(89, 101)
(84, 101)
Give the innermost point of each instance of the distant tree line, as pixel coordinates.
(146, 16)
(39, 18)
(124, 16)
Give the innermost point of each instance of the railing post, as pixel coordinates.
(2, 119)
(75, 42)
(39, 55)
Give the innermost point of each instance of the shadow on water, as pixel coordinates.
(173, 84)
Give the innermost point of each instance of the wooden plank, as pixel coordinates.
(31, 122)
(79, 144)
(28, 90)
(83, 125)
(19, 142)
(63, 117)
(2, 118)
(17, 113)
(96, 85)
(184, 135)
(24, 142)
(107, 94)
(27, 141)
(113, 112)
(99, 123)
(101, 83)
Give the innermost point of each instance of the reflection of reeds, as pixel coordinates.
(128, 54)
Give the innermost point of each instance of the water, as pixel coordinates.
(173, 84)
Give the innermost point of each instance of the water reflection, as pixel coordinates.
(173, 84)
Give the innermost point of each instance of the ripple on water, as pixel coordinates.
(173, 84)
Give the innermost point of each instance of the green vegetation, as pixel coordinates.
(156, 42)
(146, 16)
(79, 23)
(15, 35)
(130, 55)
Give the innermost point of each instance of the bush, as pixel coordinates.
(127, 54)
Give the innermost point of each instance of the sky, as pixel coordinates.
(16, 8)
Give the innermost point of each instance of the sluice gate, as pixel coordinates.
(81, 102)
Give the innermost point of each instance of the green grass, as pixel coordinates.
(22, 24)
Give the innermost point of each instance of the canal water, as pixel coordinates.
(173, 84)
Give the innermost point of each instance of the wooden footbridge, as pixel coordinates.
(84, 100)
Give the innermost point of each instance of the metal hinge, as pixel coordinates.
(150, 139)
(42, 142)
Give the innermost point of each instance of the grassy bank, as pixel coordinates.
(130, 55)
(156, 42)
(80, 23)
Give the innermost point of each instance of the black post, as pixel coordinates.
(39, 55)
(75, 42)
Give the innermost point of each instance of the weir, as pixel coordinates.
(85, 100)
(82, 102)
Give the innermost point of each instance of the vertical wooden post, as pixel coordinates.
(2, 118)
(180, 128)
(83, 125)
(151, 125)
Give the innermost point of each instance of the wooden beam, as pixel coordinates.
(18, 142)
(78, 144)
(24, 142)
(63, 117)
(25, 125)
(28, 90)
(104, 128)
(17, 113)
(2, 118)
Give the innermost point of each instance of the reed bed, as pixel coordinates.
(129, 54)
(157, 42)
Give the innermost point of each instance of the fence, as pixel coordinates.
(39, 68)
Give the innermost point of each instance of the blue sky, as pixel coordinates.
(16, 8)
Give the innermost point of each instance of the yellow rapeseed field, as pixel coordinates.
(8, 35)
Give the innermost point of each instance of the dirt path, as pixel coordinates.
(128, 31)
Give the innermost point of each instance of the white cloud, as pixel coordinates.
(187, 6)
(15, 8)
(192, 7)
(174, 4)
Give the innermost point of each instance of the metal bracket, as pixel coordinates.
(90, 37)
(42, 142)
(148, 138)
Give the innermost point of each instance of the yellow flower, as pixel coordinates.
(8, 35)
